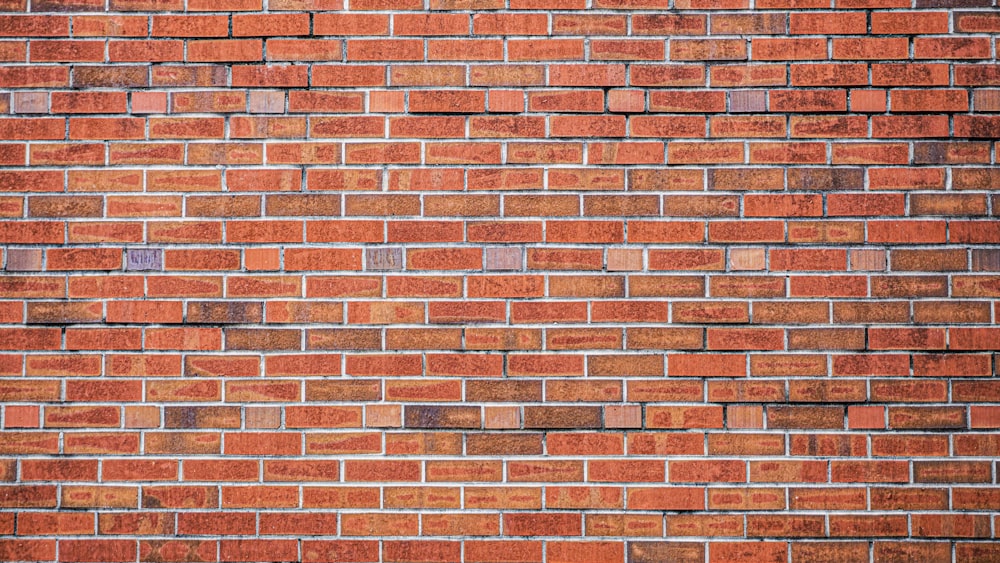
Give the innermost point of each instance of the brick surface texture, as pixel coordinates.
(555, 281)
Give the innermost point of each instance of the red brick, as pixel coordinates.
(818, 161)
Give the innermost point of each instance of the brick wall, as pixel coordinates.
(499, 280)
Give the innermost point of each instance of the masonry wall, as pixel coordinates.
(499, 280)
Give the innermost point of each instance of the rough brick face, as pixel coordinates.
(499, 280)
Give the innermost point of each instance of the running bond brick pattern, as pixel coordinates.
(499, 280)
